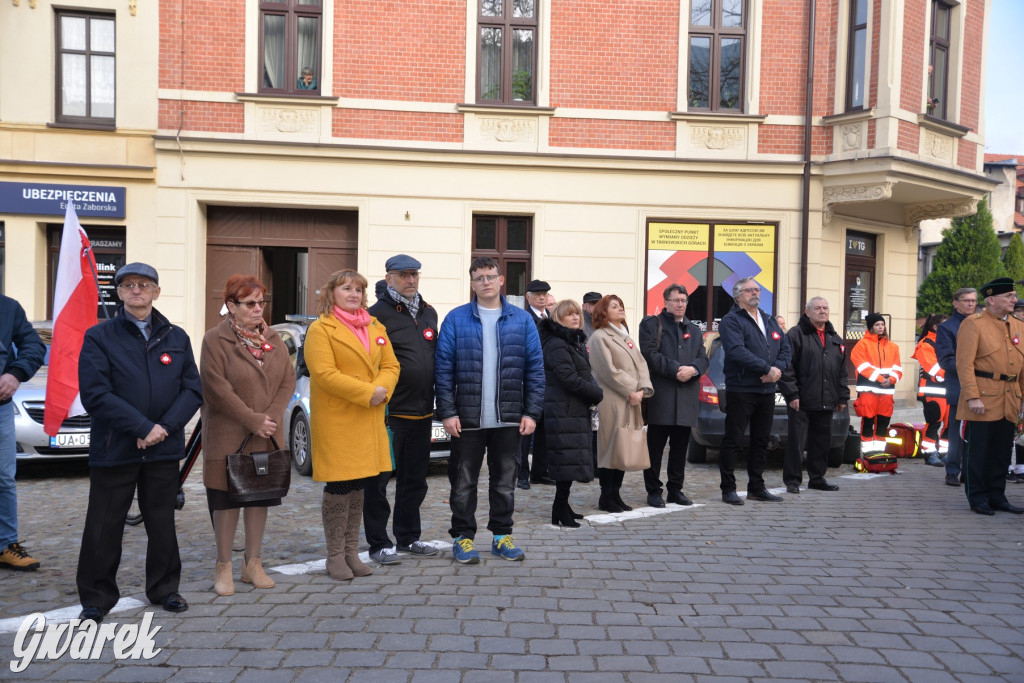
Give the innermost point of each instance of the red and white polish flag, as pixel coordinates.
(75, 300)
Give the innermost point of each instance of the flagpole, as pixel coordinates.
(95, 277)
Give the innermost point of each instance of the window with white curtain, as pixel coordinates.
(507, 51)
(290, 46)
(86, 75)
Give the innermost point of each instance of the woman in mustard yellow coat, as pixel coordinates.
(353, 372)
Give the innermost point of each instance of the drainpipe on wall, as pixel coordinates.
(805, 214)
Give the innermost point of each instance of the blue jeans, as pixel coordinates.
(8, 468)
(956, 445)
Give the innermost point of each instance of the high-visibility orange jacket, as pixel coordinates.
(875, 358)
(933, 377)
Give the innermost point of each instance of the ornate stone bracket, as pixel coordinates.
(921, 212)
(848, 194)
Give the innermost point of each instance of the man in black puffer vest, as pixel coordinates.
(814, 385)
(412, 327)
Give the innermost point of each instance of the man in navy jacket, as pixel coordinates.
(140, 384)
(489, 382)
(757, 352)
(964, 302)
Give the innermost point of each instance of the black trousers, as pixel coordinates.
(411, 445)
(986, 461)
(538, 467)
(111, 490)
(810, 430)
(500, 446)
(678, 438)
(742, 410)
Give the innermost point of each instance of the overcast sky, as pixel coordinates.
(1004, 80)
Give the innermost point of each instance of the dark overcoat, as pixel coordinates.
(570, 391)
(674, 403)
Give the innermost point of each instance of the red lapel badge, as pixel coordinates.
(381, 341)
(686, 335)
(267, 347)
(776, 336)
(842, 348)
(1015, 340)
(428, 334)
(165, 358)
(629, 343)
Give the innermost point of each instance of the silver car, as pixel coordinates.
(296, 414)
(71, 441)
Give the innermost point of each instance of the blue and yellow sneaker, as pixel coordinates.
(464, 552)
(505, 548)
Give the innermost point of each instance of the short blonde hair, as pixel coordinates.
(327, 302)
(565, 307)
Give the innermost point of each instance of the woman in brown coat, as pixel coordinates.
(621, 371)
(247, 380)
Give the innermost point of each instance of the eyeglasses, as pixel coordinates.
(141, 286)
(676, 302)
(262, 303)
(410, 274)
(751, 290)
(480, 279)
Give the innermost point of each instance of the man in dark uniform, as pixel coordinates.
(140, 384)
(412, 328)
(537, 471)
(964, 301)
(814, 387)
(675, 355)
(990, 364)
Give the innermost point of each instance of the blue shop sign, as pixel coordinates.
(52, 200)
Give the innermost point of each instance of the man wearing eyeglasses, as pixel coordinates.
(489, 381)
(140, 384)
(757, 352)
(964, 302)
(412, 328)
(675, 356)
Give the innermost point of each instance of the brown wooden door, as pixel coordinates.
(221, 263)
(322, 264)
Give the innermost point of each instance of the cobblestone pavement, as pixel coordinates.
(891, 578)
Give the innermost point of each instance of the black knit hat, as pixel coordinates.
(872, 319)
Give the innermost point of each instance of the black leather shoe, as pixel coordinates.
(93, 614)
(655, 501)
(546, 481)
(764, 496)
(793, 488)
(524, 484)
(677, 498)
(823, 486)
(983, 509)
(1007, 507)
(952, 480)
(732, 498)
(172, 602)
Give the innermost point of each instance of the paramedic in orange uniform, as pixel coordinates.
(931, 391)
(990, 363)
(877, 361)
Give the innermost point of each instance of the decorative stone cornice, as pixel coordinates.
(915, 213)
(849, 194)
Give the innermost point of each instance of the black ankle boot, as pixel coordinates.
(618, 501)
(607, 503)
(575, 515)
(561, 515)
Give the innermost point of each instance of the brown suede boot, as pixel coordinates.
(335, 514)
(223, 583)
(355, 518)
(252, 572)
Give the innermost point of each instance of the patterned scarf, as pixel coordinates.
(252, 340)
(356, 322)
(412, 304)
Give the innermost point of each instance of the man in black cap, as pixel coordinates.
(537, 472)
(140, 384)
(412, 328)
(589, 299)
(990, 364)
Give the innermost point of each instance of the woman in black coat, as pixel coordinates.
(570, 392)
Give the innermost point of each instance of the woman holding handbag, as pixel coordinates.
(570, 392)
(247, 380)
(622, 372)
(353, 372)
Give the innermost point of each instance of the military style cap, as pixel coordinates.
(1001, 285)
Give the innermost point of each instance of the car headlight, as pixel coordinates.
(15, 404)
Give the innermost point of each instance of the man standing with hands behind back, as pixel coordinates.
(990, 363)
(140, 384)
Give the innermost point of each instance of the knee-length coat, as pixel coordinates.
(349, 438)
(570, 390)
(620, 369)
(237, 393)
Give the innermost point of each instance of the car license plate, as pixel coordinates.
(80, 440)
(439, 434)
(779, 401)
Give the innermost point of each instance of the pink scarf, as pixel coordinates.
(356, 322)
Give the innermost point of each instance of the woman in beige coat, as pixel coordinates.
(621, 371)
(353, 372)
(247, 380)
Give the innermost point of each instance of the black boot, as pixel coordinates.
(561, 516)
(573, 513)
(617, 476)
(606, 503)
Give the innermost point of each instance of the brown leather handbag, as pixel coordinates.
(261, 475)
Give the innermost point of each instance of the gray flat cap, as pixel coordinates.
(140, 269)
